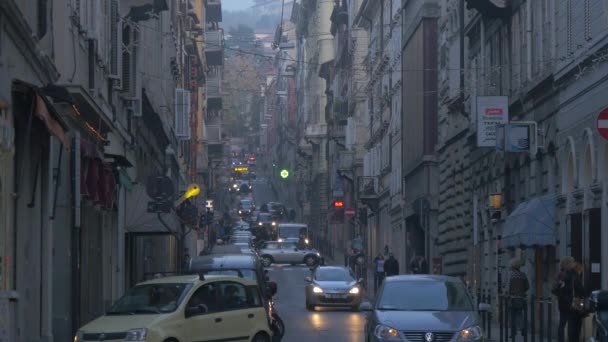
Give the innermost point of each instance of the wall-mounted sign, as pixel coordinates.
(517, 136)
(241, 169)
(602, 123)
(491, 112)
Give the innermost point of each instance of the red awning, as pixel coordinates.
(54, 127)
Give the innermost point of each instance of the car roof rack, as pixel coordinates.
(204, 270)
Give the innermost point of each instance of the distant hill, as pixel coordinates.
(248, 17)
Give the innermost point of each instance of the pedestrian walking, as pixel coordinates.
(391, 266)
(575, 293)
(563, 301)
(418, 265)
(378, 271)
(518, 287)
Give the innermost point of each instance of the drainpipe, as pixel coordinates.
(75, 243)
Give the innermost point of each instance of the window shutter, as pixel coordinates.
(115, 45)
(182, 110)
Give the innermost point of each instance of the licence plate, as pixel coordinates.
(335, 295)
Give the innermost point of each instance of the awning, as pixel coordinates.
(124, 180)
(53, 126)
(139, 220)
(531, 224)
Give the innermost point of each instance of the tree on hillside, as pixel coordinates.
(242, 79)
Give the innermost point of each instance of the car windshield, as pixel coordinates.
(287, 232)
(333, 274)
(264, 218)
(150, 299)
(424, 296)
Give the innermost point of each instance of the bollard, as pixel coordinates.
(489, 331)
(541, 319)
(550, 319)
(533, 317)
(524, 328)
(512, 323)
(501, 316)
(480, 299)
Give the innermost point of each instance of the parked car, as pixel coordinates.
(333, 286)
(249, 265)
(184, 308)
(423, 308)
(274, 252)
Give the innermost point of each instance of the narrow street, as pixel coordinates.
(324, 324)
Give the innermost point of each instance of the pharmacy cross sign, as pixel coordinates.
(602, 123)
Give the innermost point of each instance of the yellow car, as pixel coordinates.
(185, 309)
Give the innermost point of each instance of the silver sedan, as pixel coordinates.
(333, 286)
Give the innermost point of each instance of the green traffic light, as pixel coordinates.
(284, 173)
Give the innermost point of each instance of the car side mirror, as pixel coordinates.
(484, 307)
(308, 279)
(366, 306)
(361, 280)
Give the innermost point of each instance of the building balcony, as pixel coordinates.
(337, 132)
(346, 160)
(214, 47)
(213, 134)
(315, 133)
(214, 91)
(369, 191)
(491, 8)
(213, 11)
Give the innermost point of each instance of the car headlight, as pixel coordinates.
(280, 240)
(274, 223)
(473, 333)
(136, 335)
(79, 336)
(317, 289)
(240, 212)
(260, 224)
(386, 333)
(318, 254)
(306, 241)
(354, 290)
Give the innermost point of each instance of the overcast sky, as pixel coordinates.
(230, 5)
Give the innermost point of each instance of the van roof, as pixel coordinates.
(195, 278)
(242, 261)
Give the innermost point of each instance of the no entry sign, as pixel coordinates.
(349, 212)
(602, 123)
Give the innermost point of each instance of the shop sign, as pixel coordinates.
(491, 112)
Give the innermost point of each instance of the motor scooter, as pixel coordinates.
(599, 306)
(276, 323)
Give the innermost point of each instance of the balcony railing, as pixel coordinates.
(213, 11)
(214, 47)
(368, 187)
(214, 134)
(214, 91)
(346, 160)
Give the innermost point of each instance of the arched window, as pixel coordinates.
(587, 166)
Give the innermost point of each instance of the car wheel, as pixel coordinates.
(310, 307)
(261, 337)
(266, 261)
(310, 260)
